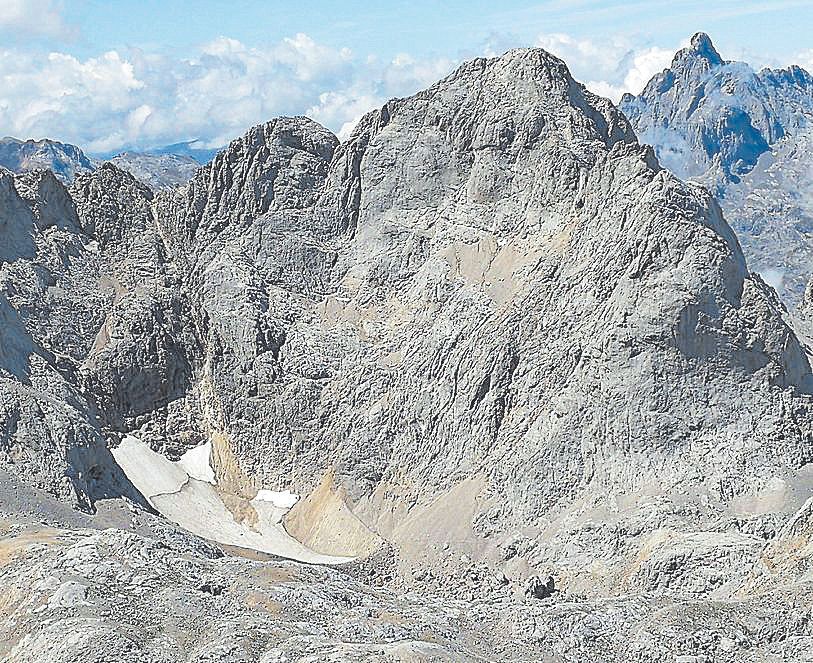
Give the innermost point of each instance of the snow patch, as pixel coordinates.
(283, 500)
(195, 463)
(185, 493)
(150, 472)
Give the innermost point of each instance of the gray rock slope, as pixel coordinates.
(51, 299)
(102, 596)
(487, 338)
(494, 307)
(157, 171)
(746, 135)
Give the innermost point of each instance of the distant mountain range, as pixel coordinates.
(63, 159)
(747, 135)
(189, 149)
(161, 168)
(158, 171)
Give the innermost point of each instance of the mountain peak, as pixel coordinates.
(533, 90)
(701, 47)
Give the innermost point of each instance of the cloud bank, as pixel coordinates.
(612, 67)
(37, 18)
(138, 99)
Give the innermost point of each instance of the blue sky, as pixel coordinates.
(776, 27)
(114, 74)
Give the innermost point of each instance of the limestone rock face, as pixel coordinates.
(746, 135)
(139, 367)
(51, 305)
(486, 339)
(493, 304)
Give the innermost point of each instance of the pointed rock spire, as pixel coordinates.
(703, 46)
(701, 49)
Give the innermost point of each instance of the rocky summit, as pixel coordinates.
(504, 382)
(747, 136)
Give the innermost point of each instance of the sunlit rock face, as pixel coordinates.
(747, 136)
(492, 306)
(493, 345)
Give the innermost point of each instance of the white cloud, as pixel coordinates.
(142, 99)
(582, 53)
(805, 60)
(139, 99)
(342, 110)
(58, 95)
(612, 67)
(644, 65)
(32, 17)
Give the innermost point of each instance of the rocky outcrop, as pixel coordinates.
(51, 306)
(139, 368)
(121, 596)
(487, 339)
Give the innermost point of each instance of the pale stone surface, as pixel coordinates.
(486, 339)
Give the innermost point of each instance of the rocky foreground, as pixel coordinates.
(488, 340)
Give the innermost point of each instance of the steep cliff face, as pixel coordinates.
(491, 298)
(746, 135)
(254, 253)
(486, 339)
(52, 305)
(139, 369)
